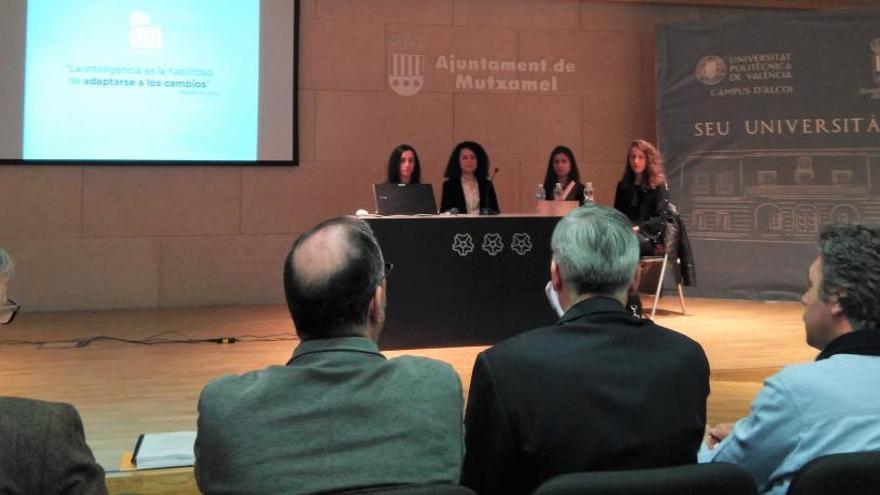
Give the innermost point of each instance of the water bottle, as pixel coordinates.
(557, 192)
(539, 197)
(539, 194)
(588, 194)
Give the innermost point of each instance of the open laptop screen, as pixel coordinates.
(404, 199)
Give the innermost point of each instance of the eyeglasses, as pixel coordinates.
(8, 312)
(388, 268)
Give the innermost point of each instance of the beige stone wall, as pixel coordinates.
(119, 237)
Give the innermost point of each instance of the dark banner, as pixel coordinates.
(770, 128)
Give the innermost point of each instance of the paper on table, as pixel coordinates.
(159, 450)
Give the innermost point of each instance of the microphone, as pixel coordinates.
(484, 199)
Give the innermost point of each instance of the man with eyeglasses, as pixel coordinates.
(8, 310)
(42, 445)
(339, 416)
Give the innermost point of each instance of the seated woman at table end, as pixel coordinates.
(642, 194)
(467, 187)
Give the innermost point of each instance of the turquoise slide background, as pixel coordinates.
(141, 80)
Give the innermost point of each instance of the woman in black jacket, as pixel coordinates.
(467, 187)
(642, 194)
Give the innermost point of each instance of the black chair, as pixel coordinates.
(717, 478)
(838, 474)
(672, 254)
(429, 489)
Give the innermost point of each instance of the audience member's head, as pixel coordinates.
(7, 308)
(6, 270)
(595, 252)
(470, 156)
(561, 165)
(644, 165)
(844, 284)
(403, 166)
(334, 281)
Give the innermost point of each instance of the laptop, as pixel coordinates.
(404, 199)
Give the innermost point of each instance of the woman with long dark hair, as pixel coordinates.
(562, 169)
(467, 188)
(403, 166)
(642, 193)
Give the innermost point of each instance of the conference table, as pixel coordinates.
(464, 280)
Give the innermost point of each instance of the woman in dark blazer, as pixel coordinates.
(467, 187)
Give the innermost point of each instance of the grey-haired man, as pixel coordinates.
(42, 445)
(599, 390)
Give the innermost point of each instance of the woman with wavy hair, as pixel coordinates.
(403, 166)
(467, 187)
(642, 193)
(562, 169)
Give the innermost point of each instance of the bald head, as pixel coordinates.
(330, 279)
(321, 255)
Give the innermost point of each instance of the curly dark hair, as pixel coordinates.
(453, 167)
(851, 271)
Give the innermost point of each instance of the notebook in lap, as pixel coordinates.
(409, 199)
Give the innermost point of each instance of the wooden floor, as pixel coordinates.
(123, 389)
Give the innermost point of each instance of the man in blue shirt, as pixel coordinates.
(831, 405)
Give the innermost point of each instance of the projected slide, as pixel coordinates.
(141, 80)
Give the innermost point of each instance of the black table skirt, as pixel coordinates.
(464, 280)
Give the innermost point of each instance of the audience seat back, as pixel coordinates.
(694, 479)
(839, 474)
(429, 489)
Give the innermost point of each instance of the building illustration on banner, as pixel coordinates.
(875, 65)
(782, 196)
(875, 47)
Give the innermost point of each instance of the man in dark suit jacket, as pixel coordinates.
(42, 446)
(600, 390)
(339, 415)
(43, 450)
